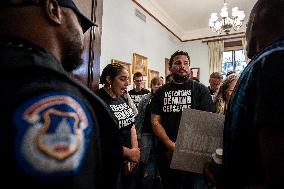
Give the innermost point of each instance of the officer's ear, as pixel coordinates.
(53, 11)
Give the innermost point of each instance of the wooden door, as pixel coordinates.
(89, 72)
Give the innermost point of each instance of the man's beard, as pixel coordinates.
(180, 78)
(72, 50)
(72, 59)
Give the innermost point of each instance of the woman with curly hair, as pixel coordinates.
(222, 97)
(114, 77)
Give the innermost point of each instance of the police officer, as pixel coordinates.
(54, 132)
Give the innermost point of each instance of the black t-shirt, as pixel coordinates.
(136, 96)
(54, 133)
(147, 125)
(171, 99)
(211, 91)
(122, 113)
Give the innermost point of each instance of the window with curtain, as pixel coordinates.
(234, 59)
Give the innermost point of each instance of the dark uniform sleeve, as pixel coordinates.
(81, 146)
(269, 118)
(111, 146)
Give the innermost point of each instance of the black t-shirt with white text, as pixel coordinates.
(122, 113)
(137, 96)
(171, 99)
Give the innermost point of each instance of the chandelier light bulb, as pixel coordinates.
(226, 23)
(214, 17)
(224, 11)
(235, 12)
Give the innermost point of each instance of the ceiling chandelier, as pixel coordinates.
(226, 23)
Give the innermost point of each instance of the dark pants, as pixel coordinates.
(176, 179)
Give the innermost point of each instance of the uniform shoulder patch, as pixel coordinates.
(52, 134)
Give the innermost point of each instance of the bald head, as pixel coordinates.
(265, 25)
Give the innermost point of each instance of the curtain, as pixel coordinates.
(244, 44)
(215, 51)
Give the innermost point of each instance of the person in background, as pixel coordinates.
(230, 72)
(54, 133)
(213, 170)
(147, 139)
(114, 77)
(166, 107)
(138, 92)
(214, 81)
(162, 80)
(223, 95)
(253, 153)
(169, 78)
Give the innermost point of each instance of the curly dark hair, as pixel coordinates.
(176, 54)
(111, 70)
(220, 97)
(216, 75)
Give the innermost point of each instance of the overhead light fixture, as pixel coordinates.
(226, 23)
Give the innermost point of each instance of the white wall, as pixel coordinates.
(124, 34)
(198, 53)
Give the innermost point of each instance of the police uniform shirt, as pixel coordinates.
(249, 156)
(54, 133)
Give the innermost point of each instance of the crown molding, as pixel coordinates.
(158, 14)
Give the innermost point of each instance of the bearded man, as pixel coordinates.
(168, 104)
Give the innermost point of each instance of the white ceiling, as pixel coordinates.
(188, 19)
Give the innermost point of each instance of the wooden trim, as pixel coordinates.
(233, 43)
(224, 38)
(219, 37)
(195, 39)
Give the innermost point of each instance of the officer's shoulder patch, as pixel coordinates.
(52, 134)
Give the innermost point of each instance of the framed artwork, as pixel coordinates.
(140, 64)
(127, 66)
(195, 72)
(151, 75)
(167, 70)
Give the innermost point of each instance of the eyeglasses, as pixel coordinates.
(138, 81)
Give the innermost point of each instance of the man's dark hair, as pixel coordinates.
(137, 74)
(111, 70)
(216, 75)
(168, 77)
(176, 54)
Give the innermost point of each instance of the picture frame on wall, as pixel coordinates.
(128, 67)
(167, 67)
(195, 72)
(140, 64)
(151, 75)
